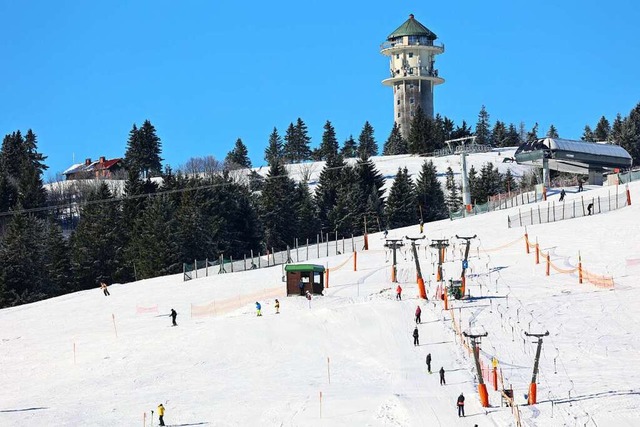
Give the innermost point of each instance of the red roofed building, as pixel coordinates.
(101, 169)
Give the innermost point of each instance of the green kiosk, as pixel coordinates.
(311, 276)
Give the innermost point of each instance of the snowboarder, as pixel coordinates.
(562, 194)
(415, 337)
(589, 208)
(161, 414)
(429, 362)
(399, 293)
(173, 319)
(442, 381)
(277, 306)
(103, 286)
(461, 405)
(301, 287)
(258, 308)
(418, 313)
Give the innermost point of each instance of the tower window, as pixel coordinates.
(398, 113)
(399, 101)
(410, 85)
(410, 54)
(397, 56)
(410, 101)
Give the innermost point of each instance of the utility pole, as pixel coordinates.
(465, 262)
(441, 245)
(394, 244)
(482, 387)
(533, 388)
(423, 292)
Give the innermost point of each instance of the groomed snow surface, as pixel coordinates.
(86, 359)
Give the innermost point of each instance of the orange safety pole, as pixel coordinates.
(423, 292)
(443, 254)
(548, 264)
(494, 362)
(326, 272)
(463, 286)
(355, 261)
(366, 242)
(628, 196)
(446, 299)
(484, 396)
(393, 273)
(579, 268)
(526, 241)
(533, 394)
(537, 252)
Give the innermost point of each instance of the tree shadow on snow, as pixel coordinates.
(23, 410)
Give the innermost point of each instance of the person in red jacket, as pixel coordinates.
(399, 293)
(418, 313)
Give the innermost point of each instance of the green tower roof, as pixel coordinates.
(412, 27)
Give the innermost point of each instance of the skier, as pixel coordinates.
(385, 233)
(173, 319)
(308, 295)
(461, 405)
(415, 337)
(429, 362)
(103, 286)
(277, 306)
(399, 293)
(258, 308)
(580, 185)
(562, 194)
(589, 208)
(161, 414)
(421, 226)
(418, 313)
(442, 381)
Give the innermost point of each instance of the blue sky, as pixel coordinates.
(207, 72)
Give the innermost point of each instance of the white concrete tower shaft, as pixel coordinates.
(412, 50)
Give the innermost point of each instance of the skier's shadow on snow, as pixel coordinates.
(23, 409)
(435, 343)
(189, 424)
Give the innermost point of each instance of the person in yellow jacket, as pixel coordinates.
(161, 414)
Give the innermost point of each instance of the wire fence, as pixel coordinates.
(323, 247)
(575, 208)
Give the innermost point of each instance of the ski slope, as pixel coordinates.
(88, 360)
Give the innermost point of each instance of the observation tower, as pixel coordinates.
(412, 57)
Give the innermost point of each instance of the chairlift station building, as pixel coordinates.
(412, 51)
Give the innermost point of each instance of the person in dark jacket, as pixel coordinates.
(429, 362)
(442, 381)
(415, 336)
(173, 317)
(461, 405)
(562, 194)
(301, 288)
(418, 313)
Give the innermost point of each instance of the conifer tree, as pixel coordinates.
(368, 201)
(143, 150)
(238, 158)
(499, 135)
(57, 265)
(475, 188)
(552, 132)
(367, 145)
(273, 152)
(630, 134)
(430, 196)
(587, 134)
(326, 192)
(350, 148)
(603, 130)
(616, 129)
(513, 137)
(308, 223)
(509, 183)
(297, 142)
(483, 128)
(532, 135)
(400, 206)
(453, 198)
(418, 133)
(395, 144)
(344, 216)
(277, 210)
(461, 131)
(329, 145)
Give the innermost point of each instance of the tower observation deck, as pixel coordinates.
(411, 49)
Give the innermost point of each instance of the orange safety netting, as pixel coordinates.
(152, 309)
(203, 310)
(503, 246)
(597, 280)
(340, 265)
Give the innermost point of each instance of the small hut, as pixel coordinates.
(311, 276)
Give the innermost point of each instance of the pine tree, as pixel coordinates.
(368, 201)
(57, 265)
(277, 211)
(587, 135)
(616, 129)
(509, 183)
(532, 135)
(289, 150)
(499, 135)
(329, 145)
(630, 134)
(273, 152)
(453, 198)
(326, 192)
(143, 150)
(308, 222)
(350, 148)
(395, 144)
(513, 137)
(400, 206)
(344, 216)
(367, 145)
(475, 187)
(238, 158)
(418, 133)
(429, 194)
(552, 132)
(483, 128)
(603, 130)
(461, 131)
